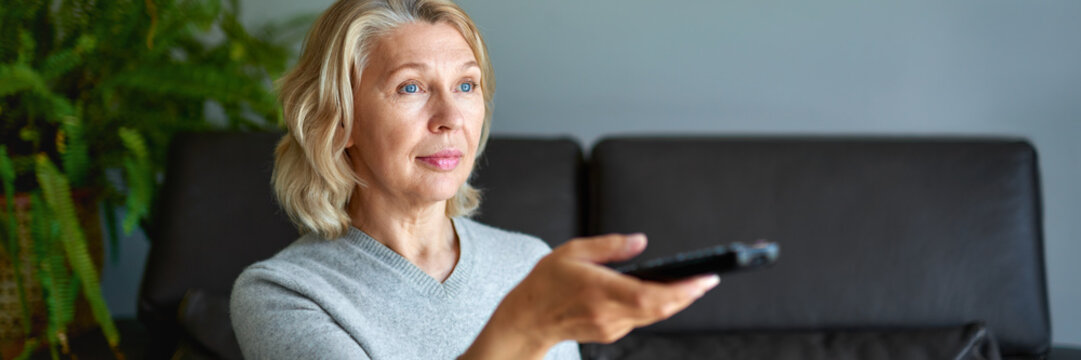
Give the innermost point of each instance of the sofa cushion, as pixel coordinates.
(968, 342)
(874, 233)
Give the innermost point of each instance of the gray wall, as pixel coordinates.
(602, 67)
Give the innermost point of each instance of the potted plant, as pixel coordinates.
(91, 92)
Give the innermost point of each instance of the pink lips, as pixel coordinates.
(443, 160)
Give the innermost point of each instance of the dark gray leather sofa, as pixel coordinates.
(892, 248)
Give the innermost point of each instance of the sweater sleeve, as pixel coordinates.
(272, 321)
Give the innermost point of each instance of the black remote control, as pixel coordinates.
(718, 259)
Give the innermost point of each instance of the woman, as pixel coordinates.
(387, 109)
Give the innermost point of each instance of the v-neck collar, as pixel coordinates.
(411, 272)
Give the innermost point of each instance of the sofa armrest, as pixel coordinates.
(204, 316)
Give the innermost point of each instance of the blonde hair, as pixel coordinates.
(312, 178)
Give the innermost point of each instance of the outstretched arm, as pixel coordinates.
(569, 295)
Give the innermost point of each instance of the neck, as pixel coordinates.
(421, 233)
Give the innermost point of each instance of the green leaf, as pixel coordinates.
(38, 99)
(76, 155)
(48, 105)
(137, 202)
(63, 61)
(27, 46)
(7, 177)
(71, 16)
(194, 82)
(12, 19)
(15, 78)
(71, 293)
(49, 260)
(139, 179)
(135, 144)
(78, 71)
(58, 195)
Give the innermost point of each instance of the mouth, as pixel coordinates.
(444, 160)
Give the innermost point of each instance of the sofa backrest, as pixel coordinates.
(534, 186)
(215, 216)
(874, 233)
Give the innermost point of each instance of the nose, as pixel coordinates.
(446, 115)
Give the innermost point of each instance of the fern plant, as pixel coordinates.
(93, 89)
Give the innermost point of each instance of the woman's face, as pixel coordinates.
(419, 113)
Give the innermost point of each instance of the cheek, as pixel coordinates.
(383, 138)
(474, 118)
(394, 143)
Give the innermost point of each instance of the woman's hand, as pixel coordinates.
(569, 295)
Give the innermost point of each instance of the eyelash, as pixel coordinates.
(401, 89)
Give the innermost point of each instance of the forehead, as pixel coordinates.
(432, 44)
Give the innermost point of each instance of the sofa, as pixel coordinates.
(891, 247)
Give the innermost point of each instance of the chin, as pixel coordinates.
(440, 188)
(441, 192)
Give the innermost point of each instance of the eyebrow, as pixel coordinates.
(412, 65)
(422, 66)
(469, 64)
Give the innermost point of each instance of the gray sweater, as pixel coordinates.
(354, 298)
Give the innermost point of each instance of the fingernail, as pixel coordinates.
(708, 283)
(636, 240)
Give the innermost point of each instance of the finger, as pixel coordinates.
(697, 286)
(689, 289)
(658, 301)
(634, 292)
(605, 249)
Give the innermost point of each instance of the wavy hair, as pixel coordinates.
(312, 178)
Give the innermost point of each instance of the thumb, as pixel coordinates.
(607, 248)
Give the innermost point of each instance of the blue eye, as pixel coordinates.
(466, 87)
(410, 89)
